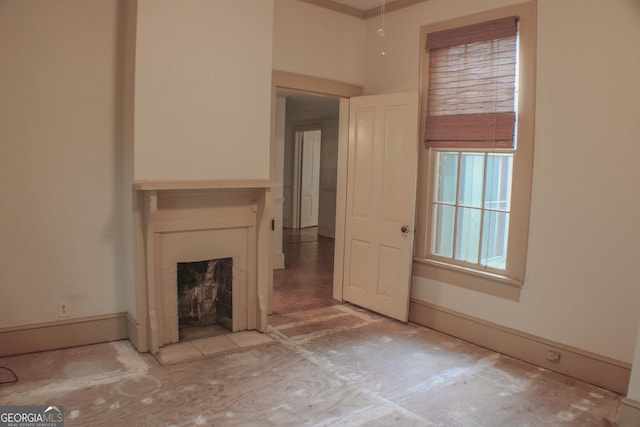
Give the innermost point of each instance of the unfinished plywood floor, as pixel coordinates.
(336, 366)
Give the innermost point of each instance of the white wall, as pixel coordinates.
(65, 231)
(634, 381)
(287, 179)
(398, 70)
(203, 89)
(582, 284)
(318, 42)
(328, 179)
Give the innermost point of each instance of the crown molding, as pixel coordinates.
(337, 7)
(390, 6)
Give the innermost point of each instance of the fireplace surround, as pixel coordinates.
(190, 221)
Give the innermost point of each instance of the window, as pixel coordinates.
(475, 168)
(470, 208)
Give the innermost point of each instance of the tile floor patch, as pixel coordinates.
(190, 351)
(178, 353)
(214, 345)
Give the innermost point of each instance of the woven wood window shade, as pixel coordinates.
(470, 98)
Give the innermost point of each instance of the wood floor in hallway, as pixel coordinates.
(333, 366)
(306, 282)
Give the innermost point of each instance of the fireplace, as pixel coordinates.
(194, 222)
(205, 295)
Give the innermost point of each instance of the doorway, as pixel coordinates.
(307, 281)
(377, 139)
(283, 85)
(305, 193)
(309, 168)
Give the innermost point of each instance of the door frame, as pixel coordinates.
(296, 188)
(330, 88)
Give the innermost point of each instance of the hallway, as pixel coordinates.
(307, 280)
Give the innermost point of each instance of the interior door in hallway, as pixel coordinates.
(310, 179)
(381, 183)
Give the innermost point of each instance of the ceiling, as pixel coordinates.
(303, 107)
(363, 5)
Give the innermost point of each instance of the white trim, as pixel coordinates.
(593, 368)
(205, 184)
(278, 261)
(63, 334)
(629, 413)
(326, 87)
(498, 282)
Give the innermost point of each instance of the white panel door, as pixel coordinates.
(310, 179)
(381, 182)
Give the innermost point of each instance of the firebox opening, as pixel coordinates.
(204, 298)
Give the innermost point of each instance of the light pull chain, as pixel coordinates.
(381, 30)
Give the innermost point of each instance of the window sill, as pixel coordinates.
(488, 283)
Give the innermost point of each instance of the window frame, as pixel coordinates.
(505, 284)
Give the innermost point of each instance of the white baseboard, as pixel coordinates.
(136, 334)
(278, 261)
(595, 369)
(629, 414)
(327, 230)
(63, 334)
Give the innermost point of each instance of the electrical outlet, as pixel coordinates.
(63, 310)
(553, 356)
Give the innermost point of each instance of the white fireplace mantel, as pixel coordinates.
(148, 185)
(193, 208)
